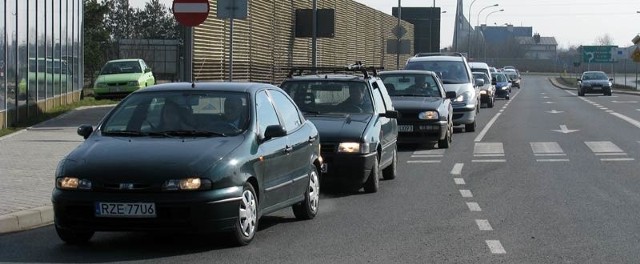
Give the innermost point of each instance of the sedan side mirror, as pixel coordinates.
(479, 82)
(452, 95)
(274, 131)
(579, 79)
(147, 70)
(391, 114)
(85, 131)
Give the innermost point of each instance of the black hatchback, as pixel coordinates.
(357, 123)
(184, 157)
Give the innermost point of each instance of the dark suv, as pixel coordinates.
(356, 121)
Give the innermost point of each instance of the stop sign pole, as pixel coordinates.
(189, 13)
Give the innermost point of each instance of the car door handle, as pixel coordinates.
(288, 149)
(312, 139)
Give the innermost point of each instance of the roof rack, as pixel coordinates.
(356, 67)
(428, 54)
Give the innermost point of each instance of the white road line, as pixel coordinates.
(474, 207)
(546, 148)
(457, 169)
(488, 148)
(423, 161)
(427, 156)
(483, 225)
(496, 247)
(489, 161)
(550, 155)
(618, 159)
(429, 152)
(603, 147)
(488, 155)
(459, 181)
(466, 194)
(611, 154)
(552, 160)
(487, 127)
(628, 119)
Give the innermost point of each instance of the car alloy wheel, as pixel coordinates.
(247, 216)
(308, 208)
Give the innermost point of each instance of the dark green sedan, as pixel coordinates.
(184, 157)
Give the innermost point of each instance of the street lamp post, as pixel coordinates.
(487, 17)
(478, 21)
(478, 24)
(469, 35)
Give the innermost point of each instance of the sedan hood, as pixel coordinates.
(120, 77)
(340, 128)
(459, 88)
(402, 103)
(121, 158)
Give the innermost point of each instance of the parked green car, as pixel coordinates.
(121, 77)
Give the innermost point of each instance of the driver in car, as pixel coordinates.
(356, 100)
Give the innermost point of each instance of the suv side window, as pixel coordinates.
(287, 111)
(266, 113)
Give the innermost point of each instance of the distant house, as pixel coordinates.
(537, 47)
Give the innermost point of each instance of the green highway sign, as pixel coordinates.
(599, 54)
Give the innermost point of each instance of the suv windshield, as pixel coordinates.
(319, 97)
(411, 85)
(451, 72)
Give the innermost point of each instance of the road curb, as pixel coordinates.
(27, 219)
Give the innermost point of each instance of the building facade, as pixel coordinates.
(41, 57)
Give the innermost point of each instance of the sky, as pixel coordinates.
(571, 22)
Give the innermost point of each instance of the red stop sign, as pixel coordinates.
(190, 13)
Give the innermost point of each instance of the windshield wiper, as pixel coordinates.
(194, 133)
(130, 133)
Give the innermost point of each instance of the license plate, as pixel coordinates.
(131, 210)
(405, 128)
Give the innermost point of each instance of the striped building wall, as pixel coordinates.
(264, 43)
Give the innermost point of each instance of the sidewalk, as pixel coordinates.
(557, 84)
(28, 161)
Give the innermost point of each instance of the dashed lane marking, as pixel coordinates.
(483, 225)
(552, 160)
(496, 247)
(423, 161)
(466, 193)
(457, 169)
(474, 207)
(618, 159)
(459, 181)
(489, 161)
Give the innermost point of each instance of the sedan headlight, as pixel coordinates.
(483, 92)
(73, 183)
(133, 83)
(188, 184)
(353, 147)
(504, 87)
(428, 115)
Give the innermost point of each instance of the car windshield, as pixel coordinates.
(479, 75)
(118, 67)
(451, 72)
(423, 85)
(501, 78)
(179, 113)
(595, 76)
(330, 97)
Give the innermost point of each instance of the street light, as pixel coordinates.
(487, 17)
(469, 35)
(478, 20)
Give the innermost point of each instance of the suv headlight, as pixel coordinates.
(353, 147)
(464, 97)
(428, 115)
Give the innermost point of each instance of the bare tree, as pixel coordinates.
(604, 40)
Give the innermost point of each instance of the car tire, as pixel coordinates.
(506, 97)
(247, 222)
(491, 102)
(308, 208)
(390, 172)
(74, 237)
(448, 138)
(373, 182)
(580, 92)
(472, 127)
(607, 93)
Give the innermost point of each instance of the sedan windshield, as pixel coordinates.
(179, 114)
(330, 97)
(118, 67)
(595, 76)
